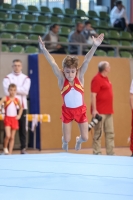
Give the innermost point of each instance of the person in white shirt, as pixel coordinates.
(118, 16)
(23, 85)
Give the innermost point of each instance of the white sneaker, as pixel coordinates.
(64, 145)
(5, 151)
(78, 144)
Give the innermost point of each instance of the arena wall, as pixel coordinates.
(51, 101)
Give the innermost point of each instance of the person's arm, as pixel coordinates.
(96, 42)
(24, 89)
(20, 110)
(93, 104)
(6, 83)
(58, 73)
(47, 38)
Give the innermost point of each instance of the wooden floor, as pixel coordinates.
(118, 151)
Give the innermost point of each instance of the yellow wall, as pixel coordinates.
(51, 101)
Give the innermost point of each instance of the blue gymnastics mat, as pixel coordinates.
(66, 176)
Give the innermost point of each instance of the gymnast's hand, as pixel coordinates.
(41, 43)
(97, 41)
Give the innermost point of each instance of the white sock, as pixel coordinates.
(80, 140)
(6, 150)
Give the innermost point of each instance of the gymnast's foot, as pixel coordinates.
(78, 144)
(132, 155)
(5, 151)
(64, 145)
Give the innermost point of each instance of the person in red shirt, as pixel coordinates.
(102, 104)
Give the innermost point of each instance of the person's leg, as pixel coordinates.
(83, 127)
(117, 23)
(131, 138)
(120, 23)
(109, 134)
(123, 23)
(11, 141)
(22, 131)
(7, 138)
(130, 27)
(98, 130)
(62, 50)
(73, 53)
(66, 129)
(59, 51)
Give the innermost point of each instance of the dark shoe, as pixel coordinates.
(132, 155)
(23, 151)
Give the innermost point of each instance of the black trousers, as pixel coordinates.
(76, 53)
(22, 130)
(120, 23)
(130, 27)
(59, 51)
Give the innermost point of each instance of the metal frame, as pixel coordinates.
(80, 45)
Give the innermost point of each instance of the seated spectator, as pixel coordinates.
(88, 32)
(119, 18)
(77, 36)
(52, 36)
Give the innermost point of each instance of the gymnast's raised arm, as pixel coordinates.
(58, 73)
(96, 42)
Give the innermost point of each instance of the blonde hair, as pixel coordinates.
(12, 85)
(70, 62)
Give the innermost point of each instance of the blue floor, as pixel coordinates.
(64, 176)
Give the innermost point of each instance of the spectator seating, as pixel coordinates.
(45, 10)
(5, 48)
(100, 53)
(113, 42)
(6, 7)
(64, 31)
(104, 16)
(57, 11)
(23, 23)
(33, 37)
(31, 49)
(80, 13)
(32, 9)
(19, 8)
(92, 14)
(17, 49)
(111, 53)
(68, 12)
(125, 54)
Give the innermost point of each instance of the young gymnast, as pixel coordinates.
(11, 117)
(71, 83)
